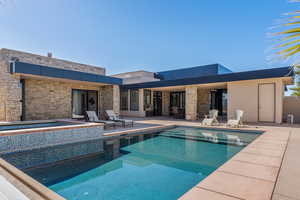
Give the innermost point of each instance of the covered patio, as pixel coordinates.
(258, 93)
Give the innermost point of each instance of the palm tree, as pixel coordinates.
(289, 42)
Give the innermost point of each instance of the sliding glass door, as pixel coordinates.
(84, 100)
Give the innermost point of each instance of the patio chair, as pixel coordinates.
(114, 117)
(211, 119)
(92, 117)
(238, 121)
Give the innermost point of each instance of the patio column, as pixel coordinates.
(141, 101)
(116, 99)
(191, 103)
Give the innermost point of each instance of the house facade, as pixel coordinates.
(37, 87)
(41, 87)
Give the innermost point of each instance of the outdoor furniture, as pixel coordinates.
(114, 117)
(92, 117)
(211, 118)
(238, 121)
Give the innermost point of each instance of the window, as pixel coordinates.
(134, 100)
(177, 99)
(147, 99)
(124, 99)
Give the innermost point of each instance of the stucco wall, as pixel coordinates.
(244, 95)
(10, 91)
(136, 77)
(291, 105)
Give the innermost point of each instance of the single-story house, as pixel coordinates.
(42, 87)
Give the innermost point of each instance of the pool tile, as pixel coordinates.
(251, 170)
(258, 159)
(238, 186)
(198, 193)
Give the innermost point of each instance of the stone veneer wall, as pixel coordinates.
(191, 103)
(165, 103)
(109, 98)
(203, 102)
(46, 99)
(10, 91)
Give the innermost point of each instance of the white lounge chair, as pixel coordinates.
(92, 117)
(8, 191)
(212, 118)
(238, 121)
(114, 117)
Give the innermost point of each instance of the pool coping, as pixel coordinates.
(54, 128)
(205, 189)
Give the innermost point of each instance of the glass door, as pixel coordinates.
(82, 101)
(157, 103)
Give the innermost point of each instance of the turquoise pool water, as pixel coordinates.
(164, 166)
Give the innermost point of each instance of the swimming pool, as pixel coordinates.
(162, 165)
(18, 126)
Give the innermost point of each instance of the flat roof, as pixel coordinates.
(235, 76)
(52, 72)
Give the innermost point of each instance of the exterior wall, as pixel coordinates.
(165, 103)
(244, 95)
(106, 103)
(116, 99)
(45, 99)
(136, 77)
(191, 103)
(10, 90)
(291, 105)
(7, 54)
(203, 102)
(10, 93)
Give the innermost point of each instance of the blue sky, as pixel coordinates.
(154, 35)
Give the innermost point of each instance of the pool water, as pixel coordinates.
(153, 166)
(34, 125)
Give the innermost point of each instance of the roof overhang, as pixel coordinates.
(32, 70)
(283, 72)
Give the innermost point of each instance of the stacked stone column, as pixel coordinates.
(191, 103)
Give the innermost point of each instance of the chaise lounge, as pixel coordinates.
(114, 117)
(212, 118)
(92, 117)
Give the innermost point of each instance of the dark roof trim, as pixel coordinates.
(237, 76)
(39, 70)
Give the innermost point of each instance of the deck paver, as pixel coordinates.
(238, 186)
(267, 173)
(258, 159)
(262, 151)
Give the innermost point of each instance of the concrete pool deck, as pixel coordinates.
(268, 168)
